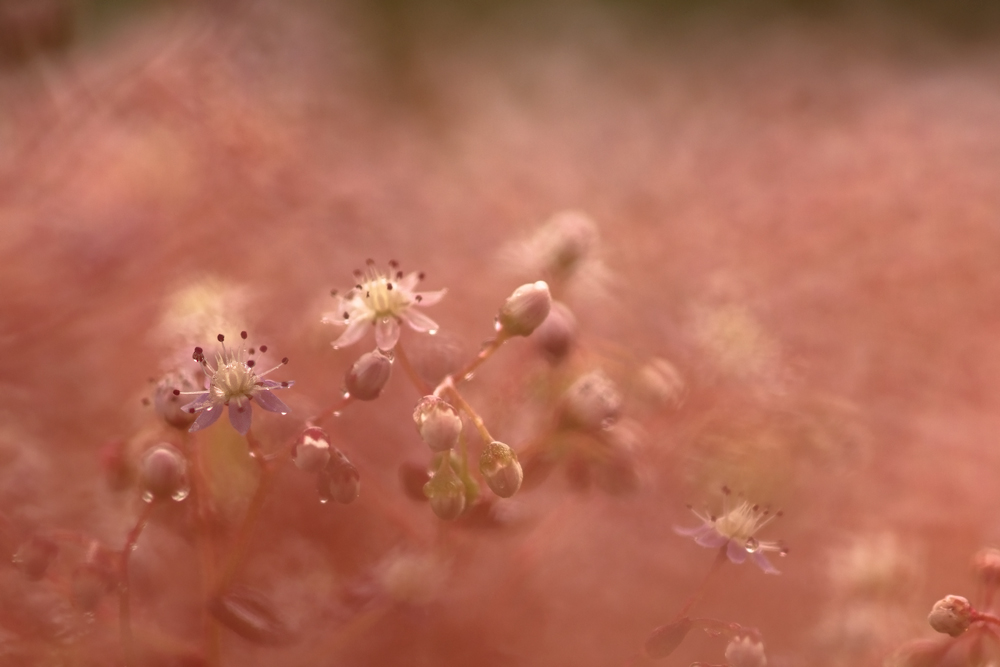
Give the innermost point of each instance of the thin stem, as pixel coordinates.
(488, 349)
(463, 405)
(411, 372)
(334, 407)
(720, 558)
(124, 602)
(985, 618)
(245, 532)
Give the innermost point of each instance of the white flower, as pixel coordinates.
(383, 301)
(736, 531)
(235, 383)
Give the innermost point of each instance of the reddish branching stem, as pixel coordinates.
(124, 599)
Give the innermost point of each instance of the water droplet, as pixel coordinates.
(497, 326)
(147, 497)
(432, 332)
(133, 546)
(468, 376)
(346, 395)
(323, 500)
(336, 413)
(181, 493)
(783, 552)
(752, 545)
(284, 413)
(323, 487)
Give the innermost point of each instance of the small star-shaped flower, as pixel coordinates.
(234, 382)
(382, 300)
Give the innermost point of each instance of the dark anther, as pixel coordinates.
(221, 338)
(370, 262)
(243, 335)
(198, 350)
(333, 292)
(347, 315)
(419, 298)
(145, 401)
(389, 287)
(368, 294)
(177, 392)
(284, 384)
(284, 360)
(357, 287)
(393, 263)
(726, 490)
(191, 410)
(251, 351)
(263, 349)
(399, 275)
(421, 275)
(358, 273)
(251, 363)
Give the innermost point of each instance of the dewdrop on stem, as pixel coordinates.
(163, 474)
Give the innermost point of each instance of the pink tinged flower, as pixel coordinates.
(735, 531)
(383, 301)
(234, 383)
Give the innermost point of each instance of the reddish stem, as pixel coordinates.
(124, 602)
(720, 558)
(411, 372)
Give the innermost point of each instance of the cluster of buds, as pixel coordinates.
(336, 477)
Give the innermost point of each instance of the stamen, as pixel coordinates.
(284, 361)
(177, 392)
(393, 263)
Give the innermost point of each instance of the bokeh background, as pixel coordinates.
(798, 207)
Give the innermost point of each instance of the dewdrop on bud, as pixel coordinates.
(500, 469)
(446, 493)
(438, 422)
(592, 403)
(368, 376)
(556, 335)
(746, 650)
(311, 452)
(525, 309)
(951, 615)
(163, 474)
(986, 565)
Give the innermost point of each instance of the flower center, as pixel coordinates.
(383, 297)
(233, 379)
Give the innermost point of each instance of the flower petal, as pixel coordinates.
(736, 552)
(207, 417)
(711, 539)
(409, 281)
(763, 563)
(269, 401)
(697, 531)
(355, 330)
(203, 400)
(418, 321)
(428, 298)
(386, 333)
(239, 416)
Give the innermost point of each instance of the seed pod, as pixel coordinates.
(665, 639)
(344, 479)
(368, 376)
(557, 334)
(446, 492)
(311, 452)
(500, 469)
(951, 615)
(525, 309)
(252, 616)
(163, 474)
(592, 403)
(438, 422)
(35, 555)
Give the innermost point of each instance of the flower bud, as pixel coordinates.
(592, 403)
(525, 309)
(986, 565)
(746, 650)
(344, 478)
(446, 492)
(438, 422)
(556, 335)
(368, 376)
(665, 639)
(951, 615)
(167, 401)
(500, 469)
(35, 555)
(311, 452)
(564, 242)
(163, 474)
